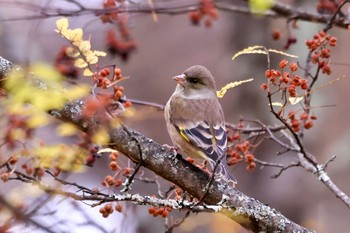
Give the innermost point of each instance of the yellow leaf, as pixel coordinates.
(91, 58)
(87, 72)
(77, 92)
(100, 53)
(46, 72)
(80, 63)
(228, 86)
(100, 137)
(37, 120)
(84, 46)
(74, 35)
(67, 158)
(66, 129)
(71, 52)
(18, 134)
(62, 25)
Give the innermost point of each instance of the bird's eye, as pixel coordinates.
(193, 80)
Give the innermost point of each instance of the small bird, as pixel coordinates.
(195, 120)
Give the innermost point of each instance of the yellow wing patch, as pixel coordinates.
(184, 135)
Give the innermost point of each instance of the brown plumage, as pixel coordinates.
(195, 120)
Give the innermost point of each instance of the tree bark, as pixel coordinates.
(248, 212)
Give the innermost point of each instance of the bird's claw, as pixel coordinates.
(173, 150)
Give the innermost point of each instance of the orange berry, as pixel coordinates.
(308, 124)
(283, 63)
(178, 191)
(333, 41)
(151, 210)
(236, 136)
(102, 210)
(118, 182)
(13, 160)
(113, 165)
(127, 104)
(304, 116)
(232, 161)
(189, 159)
(5, 177)
(127, 171)
(117, 72)
(293, 66)
(313, 117)
(251, 166)
(295, 123)
(109, 180)
(276, 35)
(29, 171)
(108, 207)
(268, 73)
(118, 207)
(263, 86)
(195, 17)
(165, 213)
(112, 157)
(121, 88)
(249, 158)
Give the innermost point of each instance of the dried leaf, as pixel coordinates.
(295, 100)
(228, 86)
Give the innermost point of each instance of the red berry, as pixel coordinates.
(283, 63)
(276, 35)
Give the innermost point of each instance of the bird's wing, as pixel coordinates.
(209, 139)
(202, 125)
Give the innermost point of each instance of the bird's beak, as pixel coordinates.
(180, 79)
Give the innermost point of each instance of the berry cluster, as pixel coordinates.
(109, 17)
(115, 180)
(108, 209)
(120, 46)
(105, 79)
(206, 12)
(241, 150)
(117, 46)
(303, 119)
(64, 64)
(285, 80)
(319, 47)
(16, 129)
(5, 176)
(159, 211)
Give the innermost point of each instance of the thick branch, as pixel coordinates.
(247, 211)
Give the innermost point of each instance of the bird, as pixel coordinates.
(195, 120)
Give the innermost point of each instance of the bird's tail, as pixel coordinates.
(225, 174)
(221, 173)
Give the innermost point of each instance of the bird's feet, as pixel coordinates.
(173, 150)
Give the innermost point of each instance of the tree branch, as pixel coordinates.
(246, 211)
(278, 10)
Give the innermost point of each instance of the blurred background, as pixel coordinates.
(169, 45)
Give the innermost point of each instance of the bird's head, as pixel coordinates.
(196, 80)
